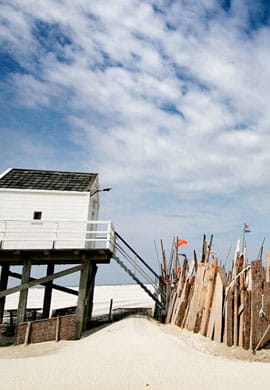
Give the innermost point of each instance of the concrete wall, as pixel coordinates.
(46, 330)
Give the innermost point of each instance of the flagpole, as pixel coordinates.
(244, 237)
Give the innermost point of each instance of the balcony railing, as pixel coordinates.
(46, 234)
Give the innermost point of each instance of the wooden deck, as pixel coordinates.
(55, 256)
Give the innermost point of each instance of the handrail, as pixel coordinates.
(52, 233)
(138, 256)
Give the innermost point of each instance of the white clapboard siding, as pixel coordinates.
(64, 216)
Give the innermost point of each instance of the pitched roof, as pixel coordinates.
(47, 180)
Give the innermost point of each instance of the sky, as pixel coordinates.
(166, 100)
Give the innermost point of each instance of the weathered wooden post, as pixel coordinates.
(90, 294)
(110, 310)
(23, 293)
(85, 298)
(260, 306)
(82, 297)
(48, 293)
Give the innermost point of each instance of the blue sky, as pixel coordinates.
(167, 100)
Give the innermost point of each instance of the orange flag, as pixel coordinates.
(181, 242)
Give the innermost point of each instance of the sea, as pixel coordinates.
(121, 296)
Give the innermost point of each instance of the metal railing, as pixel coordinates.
(64, 234)
(138, 269)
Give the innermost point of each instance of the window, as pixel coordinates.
(37, 215)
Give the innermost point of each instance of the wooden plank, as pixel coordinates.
(209, 248)
(186, 303)
(246, 320)
(243, 292)
(209, 296)
(36, 282)
(215, 325)
(178, 293)
(202, 298)
(23, 292)
(183, 305)
(171, 307)
(204, 249)
(184, 292)
(182, 280)
(194, 308)
(235, 313)
(257, 323)
(261, 321)
(178, 299)
(228, 324)
(56, 256)
(54, 286)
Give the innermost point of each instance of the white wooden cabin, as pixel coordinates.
(49, 209)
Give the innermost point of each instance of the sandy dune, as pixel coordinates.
(135, 353)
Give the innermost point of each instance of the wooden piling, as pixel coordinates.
(23, 293)
(48, 293)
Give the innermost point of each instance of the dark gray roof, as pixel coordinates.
(47, 180)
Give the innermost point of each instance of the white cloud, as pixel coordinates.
(172, 102)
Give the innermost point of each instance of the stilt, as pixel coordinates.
(23, 293)
(48, 293)
(3, 286)
(81, 306)
(90, 295)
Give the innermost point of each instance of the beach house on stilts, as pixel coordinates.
(50, 218)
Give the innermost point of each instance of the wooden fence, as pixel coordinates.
(230, 307)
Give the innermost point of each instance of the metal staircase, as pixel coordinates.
(124, 254)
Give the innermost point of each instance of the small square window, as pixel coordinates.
(37, 215)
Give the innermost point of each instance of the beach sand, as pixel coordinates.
(134, 353)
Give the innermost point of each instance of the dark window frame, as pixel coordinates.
(37, 215)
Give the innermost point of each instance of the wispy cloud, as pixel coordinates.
(168, 99)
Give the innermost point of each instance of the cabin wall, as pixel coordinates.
(61, 212)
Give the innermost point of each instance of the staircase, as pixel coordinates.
(125, 254)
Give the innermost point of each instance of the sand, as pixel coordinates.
(135, 353)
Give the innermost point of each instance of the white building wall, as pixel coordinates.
(64, 216)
